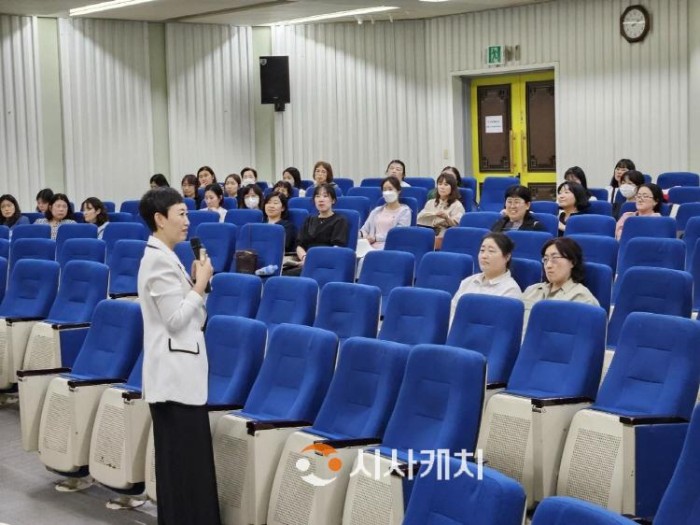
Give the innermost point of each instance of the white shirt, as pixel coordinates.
(175, 366)
(503, 285)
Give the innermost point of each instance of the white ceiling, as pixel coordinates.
(252, 12)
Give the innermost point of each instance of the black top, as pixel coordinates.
(331, 231)
(562, 222)
(290, 234)
(529, 224)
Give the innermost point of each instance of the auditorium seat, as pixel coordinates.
(387, 270)
(349, 310)
(219, 239)
(288, 300)
(416, 316)
(267, 240)
(124, 268)
(443, 271)
(326, 264)
(234, 294)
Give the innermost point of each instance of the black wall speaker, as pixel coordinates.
(274, 81)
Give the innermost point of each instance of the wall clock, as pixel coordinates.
(635, 22)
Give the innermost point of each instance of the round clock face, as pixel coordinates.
(634, 23)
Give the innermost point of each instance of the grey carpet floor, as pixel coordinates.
(28, 497)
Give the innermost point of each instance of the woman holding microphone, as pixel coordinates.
(175, 367)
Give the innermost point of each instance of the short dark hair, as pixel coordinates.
(579, 174)
(450, 179)
(190, 179)
(326, 166)
(244, 190)
(656, 192)
(579, 192)
(396, 161)
(216, 190)
(99, 206)
(635, 177)
(284, 184)
(283, 200)
(159, 180)
(569, 249)
(518, 191)
(504, 243)
(328, 188)
(255, 172)
(296, 175)
(10, 221)
(157, 200)
(44, 195)
(622, 163)
(396, 183)
(60, 197)
(455, 172)
(206, 168)
(234, 176)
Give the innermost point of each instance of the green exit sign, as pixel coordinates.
(495, 55)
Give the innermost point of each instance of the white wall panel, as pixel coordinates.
(106, 97)
(364, 94)
(210, 98)
(21, 165)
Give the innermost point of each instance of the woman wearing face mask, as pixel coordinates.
(214, 199)
(571, 198)
(648, 200)
(206, 176)
(516, 213)
(250, 197)
(630, 183)
(445, 210)
(494, 261)
(249, 177)
(94, 212)
(384, 218)
(57, 214)
(622, 166)
(232, 184)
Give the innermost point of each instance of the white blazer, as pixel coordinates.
(175, 366)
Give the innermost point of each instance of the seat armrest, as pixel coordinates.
(131, 395)
(10, 320)
(494, 386)
(651, 420)
(42, 372)
(554, 401)
(636, 519)
(347, 443)
(75, 383)
(227, 407)
(254, 426)
(121, 295)
(68, 326)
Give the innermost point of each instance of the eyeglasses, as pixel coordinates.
(552, 258)
(514, 202)
(643, 197)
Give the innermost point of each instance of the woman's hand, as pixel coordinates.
(371, 239)
(201, 274)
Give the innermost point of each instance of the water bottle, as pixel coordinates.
(270, 269)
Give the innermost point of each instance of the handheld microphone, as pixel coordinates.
(200, 254)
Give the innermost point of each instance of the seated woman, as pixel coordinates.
(293, 177)
(447, 169)
(577, 175)
(283, 187)
(250, 197)
(562, 260)
(94, 212)
(158, 181)
(43, 199)
(384, 218)
(323, 174)
(214, 199)
(325, 229)
(57, 214)
(231, 185)
(622, 166)
(276, 212)
(495, 279)
(445, 210)
(205, 177)
(397, 168)
(648, 201)
(189, 187)
(10, 214)
(516, 213)
(571, 198)
(629, 184)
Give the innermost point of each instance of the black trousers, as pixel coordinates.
(185, 474)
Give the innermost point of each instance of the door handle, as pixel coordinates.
(511, 150)
(523, 150)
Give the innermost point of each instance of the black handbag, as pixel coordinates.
(246, 261)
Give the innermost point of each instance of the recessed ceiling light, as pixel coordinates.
(330, 16)
(104, 6)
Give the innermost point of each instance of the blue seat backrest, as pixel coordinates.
(598, 279)
(31, 231)
(480, 219)
(117, 231)
(303, 203)
(685, 213)
(83, 284)
(298, 217)
(295, 374)
(416, 315)
(31, 248)
(416, 192)
(349, 310)
(82, 249)
(344, 184)
(443, 271)
(683, 194)
(387, 269)
(590, 224)
(428, 183)
(653, 290)
(528, 244)
(360, 204)
(130, 206)
(364, 389)
(267, 240)
(113, 342)
(242, 216)
(526, 272)
(234, 294)
(558, 357)
(677, 178)
(235, 350)
(353, 219)
(31, 289)
(464, 239)
(598, 249)
(491, 325)
(372, 182)
(548, 221)
(493, 192)
(600, 207)
(124, 266)
(326, 264)
(439, 404)
(656, 367)
(74, 231)
(219, 239)
(690, 238)
(373, 193)
(550, 207)
(415, 240)
(288, 300)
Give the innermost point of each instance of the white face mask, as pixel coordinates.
(248, 182)
(390, 196)
(252, 202)
(628, 190)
